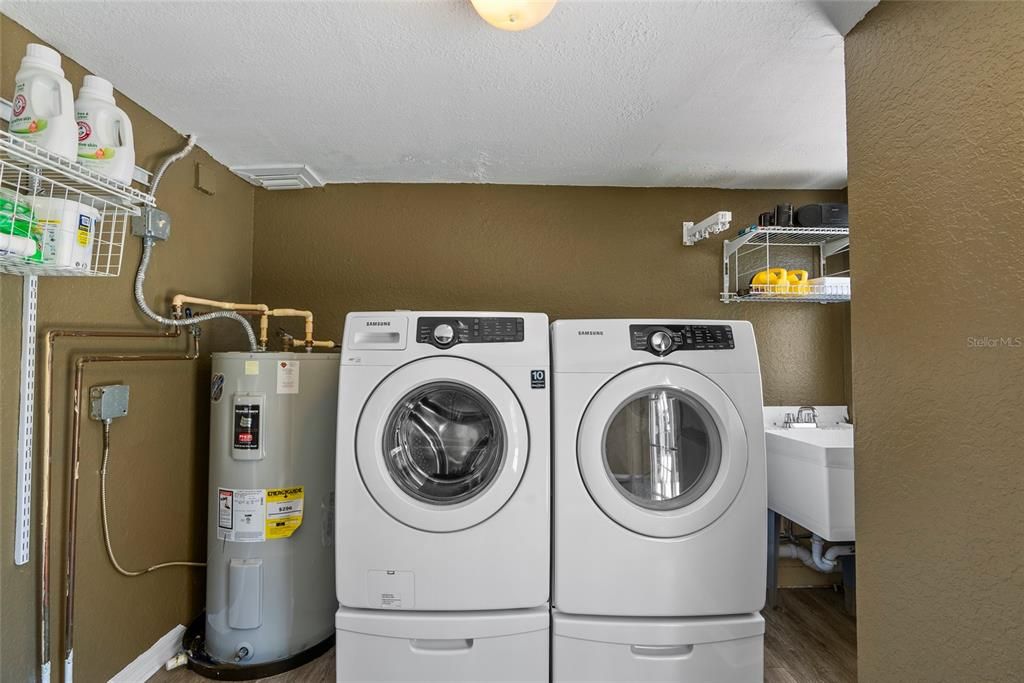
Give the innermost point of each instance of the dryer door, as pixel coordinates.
(442, 444)
(662, 450)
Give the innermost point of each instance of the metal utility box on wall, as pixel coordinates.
(270, 564)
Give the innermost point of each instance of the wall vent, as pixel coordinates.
(279, 177)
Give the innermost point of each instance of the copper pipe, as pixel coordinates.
(179, 300)
(46, 462)
(288, 313)
(182, 299)
(72, 527)
(316, 343)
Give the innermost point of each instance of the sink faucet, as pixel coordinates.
(806, 416)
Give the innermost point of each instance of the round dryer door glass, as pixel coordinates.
(662, 449)
(444, 443)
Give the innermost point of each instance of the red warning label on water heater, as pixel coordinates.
(247, 426)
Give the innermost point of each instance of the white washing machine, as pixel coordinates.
(659, 476)
(443, 480)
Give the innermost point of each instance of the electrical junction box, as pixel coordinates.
(108, 402)
(152, 223)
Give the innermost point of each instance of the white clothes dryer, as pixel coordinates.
(659, 468)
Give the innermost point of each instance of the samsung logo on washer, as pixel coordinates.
(378, 323)
(590, 333)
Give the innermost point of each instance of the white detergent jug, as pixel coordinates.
(43, 109)
(105, 141)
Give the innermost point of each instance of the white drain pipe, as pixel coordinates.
(825, 563)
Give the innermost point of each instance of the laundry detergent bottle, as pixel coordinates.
(43, 108)
(105, 141)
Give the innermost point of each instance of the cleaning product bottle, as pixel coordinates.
(798, 282)
(17, 226)
(43, 109)
(771, 281)
(105, 141)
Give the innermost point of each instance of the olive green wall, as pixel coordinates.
(935, 113)
(568, 251)
(158, 470)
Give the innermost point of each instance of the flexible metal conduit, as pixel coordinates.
(76, 428)
(140, 299)
(147, 250)
(46, 461)
(105, 511)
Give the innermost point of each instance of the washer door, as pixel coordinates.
(662, 450)
(442, 444)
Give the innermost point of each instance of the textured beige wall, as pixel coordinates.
(158, 472)
(568, 251)
(936, 135)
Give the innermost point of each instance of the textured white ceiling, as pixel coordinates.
(636, 93)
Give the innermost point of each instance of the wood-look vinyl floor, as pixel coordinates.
(809, 638)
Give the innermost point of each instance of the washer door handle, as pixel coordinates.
(661, 651)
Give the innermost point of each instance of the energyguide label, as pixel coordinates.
(258, 515)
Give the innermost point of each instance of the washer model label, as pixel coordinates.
(247, 427)
(284, 511)
(538, 379)
(241, 514)
(391, 600)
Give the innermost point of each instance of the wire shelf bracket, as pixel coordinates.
(712, 225)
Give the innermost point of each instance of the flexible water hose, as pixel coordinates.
(106, 515)
(140, 299)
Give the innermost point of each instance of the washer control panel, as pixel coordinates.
(662, 340)
(445, 333)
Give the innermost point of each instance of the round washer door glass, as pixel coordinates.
(662, 449)
(444, 443)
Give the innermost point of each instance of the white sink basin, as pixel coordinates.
(810, 479)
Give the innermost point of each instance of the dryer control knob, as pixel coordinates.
(443, 333)
(660, 341)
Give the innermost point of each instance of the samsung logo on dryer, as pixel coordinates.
(378, 323)
(590, 333)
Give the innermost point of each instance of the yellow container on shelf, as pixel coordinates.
(771, 281)
(798, 285)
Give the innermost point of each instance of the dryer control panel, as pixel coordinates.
(662, 340)
(445, 333)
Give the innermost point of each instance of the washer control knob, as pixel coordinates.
(444, 333)
(660, 341)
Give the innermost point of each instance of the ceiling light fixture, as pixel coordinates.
(513, 15)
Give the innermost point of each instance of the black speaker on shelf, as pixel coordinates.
(822, 215)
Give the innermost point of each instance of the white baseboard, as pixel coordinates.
(150, 661)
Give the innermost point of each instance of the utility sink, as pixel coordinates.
(810, 478)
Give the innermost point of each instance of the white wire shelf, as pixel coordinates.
(758, 248)
(77, 218)
(821, 294)
(836, 236)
